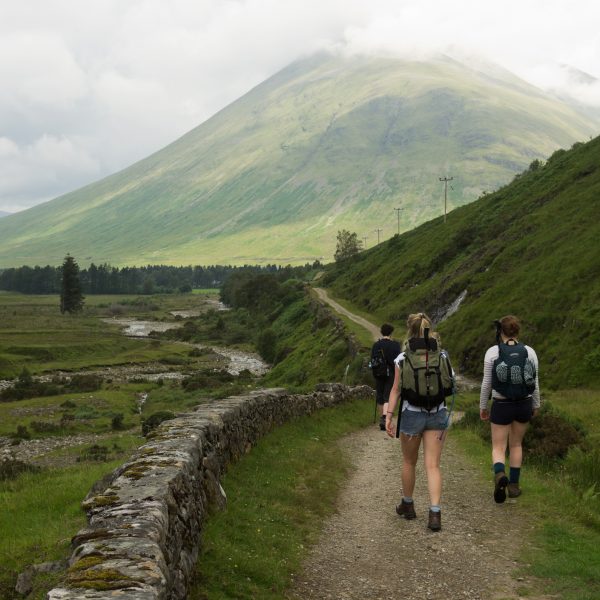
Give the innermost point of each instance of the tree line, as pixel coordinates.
(105, 279)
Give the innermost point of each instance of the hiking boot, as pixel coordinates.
(501, 481)
(406, 509)
(514, 491)
(435, 520)
(382, 422)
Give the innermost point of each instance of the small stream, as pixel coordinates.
(235, 361)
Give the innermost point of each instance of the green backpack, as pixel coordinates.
(427, 376)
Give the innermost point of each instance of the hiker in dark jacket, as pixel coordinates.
(387, 349)
(514, 402)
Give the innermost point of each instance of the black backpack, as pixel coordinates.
(513, 372)
(379, 365)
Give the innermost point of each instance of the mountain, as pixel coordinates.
(4, 213)
(327, 143)
(530, 249)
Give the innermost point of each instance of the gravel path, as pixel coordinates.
(372, 329)
(367, 552)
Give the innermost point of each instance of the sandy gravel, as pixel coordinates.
(367, 552)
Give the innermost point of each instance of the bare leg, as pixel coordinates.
(432, 451)
(410, 453)
(499, 442)
(515, 442)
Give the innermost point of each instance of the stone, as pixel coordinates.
(145, 518)
(25, 582)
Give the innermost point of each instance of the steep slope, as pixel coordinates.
(325, 144)
(530, 249)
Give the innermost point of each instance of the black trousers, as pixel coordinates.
(383, 387)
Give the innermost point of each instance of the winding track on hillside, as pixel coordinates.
(372, 329)
(367, 552)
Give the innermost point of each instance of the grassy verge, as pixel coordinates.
(563, 552)
(278, 496)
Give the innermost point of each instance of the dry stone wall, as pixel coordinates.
(145, 519)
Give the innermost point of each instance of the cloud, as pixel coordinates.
(109, 82)
(41, 169)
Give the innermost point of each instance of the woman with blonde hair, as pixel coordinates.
(510, 377)
(423, 379)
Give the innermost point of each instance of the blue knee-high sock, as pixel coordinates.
(499, 468)
(515, 473)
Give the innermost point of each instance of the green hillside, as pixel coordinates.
(325, 144)
(530, 249)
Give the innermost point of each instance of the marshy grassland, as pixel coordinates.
(100, 397)
(83, 417)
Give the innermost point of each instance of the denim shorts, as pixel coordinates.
(415, 423)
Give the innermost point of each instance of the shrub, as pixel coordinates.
(68, 404)
(12, 468)
(116, 423)
(96, 453)
(22, 433)
(44, 426)
(267, 344)
(551, 435)
(155, 419)
(85, 383)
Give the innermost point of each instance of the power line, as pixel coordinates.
(398, 211)
(365, 238)
(378, 232)
(445, 180)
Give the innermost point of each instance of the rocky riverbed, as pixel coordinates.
(229, 359)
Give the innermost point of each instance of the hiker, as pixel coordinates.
(383, 353)
(510, 376)
(423, 379)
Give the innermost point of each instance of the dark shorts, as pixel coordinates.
(383, 387)
(504, 412)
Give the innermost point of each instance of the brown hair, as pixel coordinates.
(416, 325)
(511, 326)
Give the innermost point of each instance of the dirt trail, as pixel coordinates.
(372, 329)
(367, 552)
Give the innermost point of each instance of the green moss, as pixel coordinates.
(91, 560)
(100, 579)
(103, 500)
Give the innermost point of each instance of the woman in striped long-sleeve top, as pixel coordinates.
(514, 403)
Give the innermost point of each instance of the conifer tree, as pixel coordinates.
(71, 298)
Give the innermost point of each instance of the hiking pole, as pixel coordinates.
(375, 414)
(426, 336)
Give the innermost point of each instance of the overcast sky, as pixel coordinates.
(88, 87)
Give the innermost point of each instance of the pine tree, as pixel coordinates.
(71, 298)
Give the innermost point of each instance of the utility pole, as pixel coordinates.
(445, 180)
(378, 232)
(365, 238)
(398, 212)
